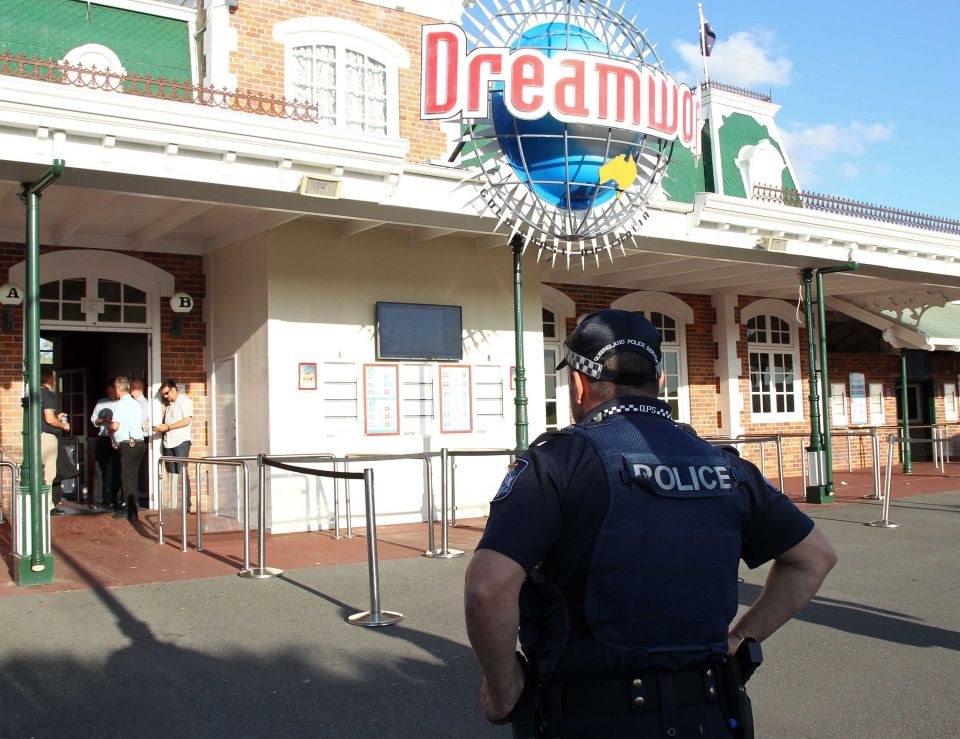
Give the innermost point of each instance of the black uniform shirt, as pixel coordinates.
(551, 507)
(49, 400)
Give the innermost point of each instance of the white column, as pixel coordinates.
(726, 332)
(219, 40)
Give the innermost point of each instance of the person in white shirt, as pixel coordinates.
(136, 392)
(127, 430)
(106, 456)
(177, 417)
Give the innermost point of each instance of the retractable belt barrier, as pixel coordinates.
(375, 616)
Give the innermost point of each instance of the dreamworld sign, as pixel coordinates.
(570, 86)
(565, 109)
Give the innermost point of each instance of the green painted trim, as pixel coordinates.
(739, 130)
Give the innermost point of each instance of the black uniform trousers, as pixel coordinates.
(130, 456)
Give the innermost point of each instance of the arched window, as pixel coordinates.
(349, 71)
(775, 388)
(670, 315)
(557, 307)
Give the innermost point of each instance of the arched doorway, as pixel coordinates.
(99, 318)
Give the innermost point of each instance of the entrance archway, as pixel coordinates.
(90, 290)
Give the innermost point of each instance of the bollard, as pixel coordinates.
(885, 522)
(373, 617)
(875, 453)
(183, 508)
(444, 552)
(431, 539)
(261, 572)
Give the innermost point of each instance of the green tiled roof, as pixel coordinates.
(145, 44)
(683, 178)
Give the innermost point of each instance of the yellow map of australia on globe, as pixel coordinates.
(622, 170)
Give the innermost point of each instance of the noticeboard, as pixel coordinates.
(456, 399)
(858, 399)
(381, 400)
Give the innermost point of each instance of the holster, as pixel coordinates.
(734, 701)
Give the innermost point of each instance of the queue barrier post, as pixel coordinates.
(780, 463)
(261, 571)
(885, 522)
(375, 616)
(14, 476)
(431, 540)
(444, 552)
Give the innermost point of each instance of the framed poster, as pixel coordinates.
(308, 376)
(456, 399)
(381, 403)
(858, 399)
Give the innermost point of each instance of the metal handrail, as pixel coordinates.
(885, 522)
(761, 440)
(452, 456)
(14, 479)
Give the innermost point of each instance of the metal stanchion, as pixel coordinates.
(14, 475)
(246, 519)
(803, 466)
(453, 491)
(346, 494)
(444, 552)
(780, 463)
(373, 617)
(885, 522)
(849, 453)
(198, 514)
(261, 572)
(431, 539)
(336, 504)
(183, 508)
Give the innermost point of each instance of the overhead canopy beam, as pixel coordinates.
(166, 223)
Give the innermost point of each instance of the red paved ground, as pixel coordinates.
(98, 551)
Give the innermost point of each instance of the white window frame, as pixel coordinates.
(877, 413)
(562, 308)
(950, 410)
(649, 302)
(345, 36)
(785, 312)
(839, 411)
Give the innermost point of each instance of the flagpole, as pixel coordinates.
(703, 45)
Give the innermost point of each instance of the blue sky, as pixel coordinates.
(869, 104)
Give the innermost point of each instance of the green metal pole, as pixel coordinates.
(814, 493)
(824, 376)
(905, 413)
(520, 401)
(40, 565)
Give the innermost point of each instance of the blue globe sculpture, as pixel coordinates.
(559, 161)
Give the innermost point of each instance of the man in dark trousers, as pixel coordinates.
(127, 430)
(624, 533)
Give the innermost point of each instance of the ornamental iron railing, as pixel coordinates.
(768, 98)
(844, 207)
(48, 70)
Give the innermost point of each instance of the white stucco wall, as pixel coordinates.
(321, 306)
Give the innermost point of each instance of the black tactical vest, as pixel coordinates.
(663, 576)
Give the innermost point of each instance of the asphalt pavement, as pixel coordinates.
(874, 655)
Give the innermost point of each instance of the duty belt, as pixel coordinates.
(636, 694)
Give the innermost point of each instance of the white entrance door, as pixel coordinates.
(227, 495)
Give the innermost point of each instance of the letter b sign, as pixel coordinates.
(181, 303)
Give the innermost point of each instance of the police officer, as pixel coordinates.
(625, 533)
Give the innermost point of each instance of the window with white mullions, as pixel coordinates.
(775, 388)
(314, 79)
(366, 94)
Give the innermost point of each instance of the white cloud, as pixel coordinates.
(745, 59)
(820, 152)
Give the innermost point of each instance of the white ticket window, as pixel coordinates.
(838, 404)
(876, 403)
(340, 392)
(488, 395)
(417, 397)
(950, 402)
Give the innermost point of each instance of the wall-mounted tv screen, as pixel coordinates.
(419, 331)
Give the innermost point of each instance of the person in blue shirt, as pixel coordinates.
(127, 430)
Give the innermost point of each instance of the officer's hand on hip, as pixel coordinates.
(497, 704)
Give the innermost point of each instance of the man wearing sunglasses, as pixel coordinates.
(177, 416)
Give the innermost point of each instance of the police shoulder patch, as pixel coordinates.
(514, 470)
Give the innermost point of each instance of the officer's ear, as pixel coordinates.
(579, 387)
(661, 380)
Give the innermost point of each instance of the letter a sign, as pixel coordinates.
(11, 294)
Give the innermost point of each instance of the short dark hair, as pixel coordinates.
(46, 374)
(169, 384)
(628, 363)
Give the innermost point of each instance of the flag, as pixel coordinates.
(707, 38)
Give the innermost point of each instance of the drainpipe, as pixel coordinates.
(520, 401)
(40, 570)
(824, 378)
(905, 413)
(815, 491)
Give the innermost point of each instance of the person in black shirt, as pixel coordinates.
(614, 546)
(52, 425)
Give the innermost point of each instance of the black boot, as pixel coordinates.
(132, 512)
